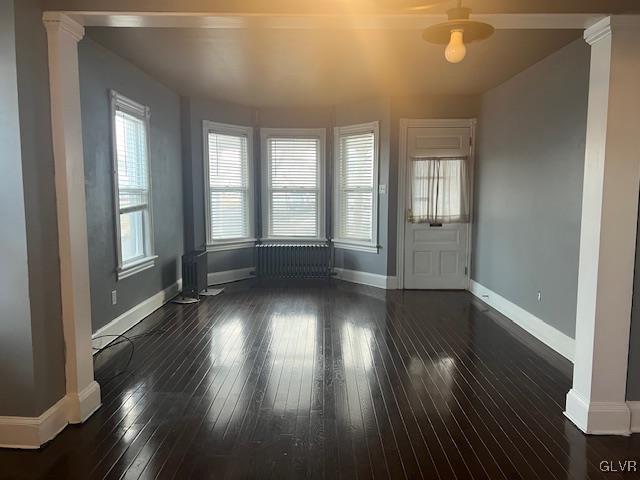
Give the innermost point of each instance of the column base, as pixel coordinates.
(82, 405)
(598, 418)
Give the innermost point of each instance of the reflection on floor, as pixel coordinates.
(327, 380)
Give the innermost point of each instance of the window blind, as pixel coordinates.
(133, 185)
(294, 187)
(355, 187)
(228, 186)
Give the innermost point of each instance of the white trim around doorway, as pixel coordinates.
(405, 124)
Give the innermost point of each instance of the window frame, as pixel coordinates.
(125, 269)
(347, 243)
(238, 131)
(319, 134)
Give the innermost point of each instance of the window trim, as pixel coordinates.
(347, 243)
(233, 130)
(142, 112)
(319, 134)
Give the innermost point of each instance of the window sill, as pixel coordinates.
(136, 267)
(358, 247)
(293, 240)
(231, 245)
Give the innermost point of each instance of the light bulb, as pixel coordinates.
(455, 51)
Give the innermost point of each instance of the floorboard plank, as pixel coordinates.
(327, 380)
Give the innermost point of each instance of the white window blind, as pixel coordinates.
(294, 187)
(356, 175)
(133, 189)
(229, 185)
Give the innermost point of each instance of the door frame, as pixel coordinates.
(405, 124)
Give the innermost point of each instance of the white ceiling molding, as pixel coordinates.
(501, 21)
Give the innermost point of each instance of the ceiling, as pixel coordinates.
(298, 67)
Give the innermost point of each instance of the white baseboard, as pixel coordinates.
(634, 408)
(33, 432)
(365, 278)
(81, 406)
(216, 278)
(133, 316)
(598, 418)
(550, 336)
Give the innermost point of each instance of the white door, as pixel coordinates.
(436, 253)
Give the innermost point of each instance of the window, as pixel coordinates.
(293, 191)
(439, 190)
(355, 185)
(228, 185)
(132, 184)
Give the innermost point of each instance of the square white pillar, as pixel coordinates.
(597, 403)
(83, 392)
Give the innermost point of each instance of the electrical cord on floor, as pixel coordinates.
(113, 344)
(122, 339)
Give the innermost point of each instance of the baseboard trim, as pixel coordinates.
(550, 336)
(133, 316)
(634, 408)
(366, 278)
(33, 432)
(82, 405)
(227, 276)
(598, 418)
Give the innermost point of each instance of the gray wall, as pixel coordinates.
(363, 112)
(528, 186)
(194, 112)
(40, 203)
(31, 345)
(16, 361)
(101, 70)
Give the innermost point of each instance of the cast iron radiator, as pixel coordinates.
(294, 260)
(194, 273)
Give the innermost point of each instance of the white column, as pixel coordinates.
(596, 403)
(83, 393)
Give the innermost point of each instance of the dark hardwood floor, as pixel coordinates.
(327, 380)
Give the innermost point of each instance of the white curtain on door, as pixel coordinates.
(439, 190)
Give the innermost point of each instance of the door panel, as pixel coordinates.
(436, 256)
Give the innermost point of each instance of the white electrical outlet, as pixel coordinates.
(382, 189)
(114, 297)
(539, 295)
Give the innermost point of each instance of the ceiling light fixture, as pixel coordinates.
(456, 31)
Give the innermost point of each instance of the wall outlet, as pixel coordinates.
(539, 295)
(114, 297)
(382, 189)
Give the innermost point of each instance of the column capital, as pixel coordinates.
(598, 31)
(58, 21)
(610, 25)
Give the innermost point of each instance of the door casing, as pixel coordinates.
(405, 124)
